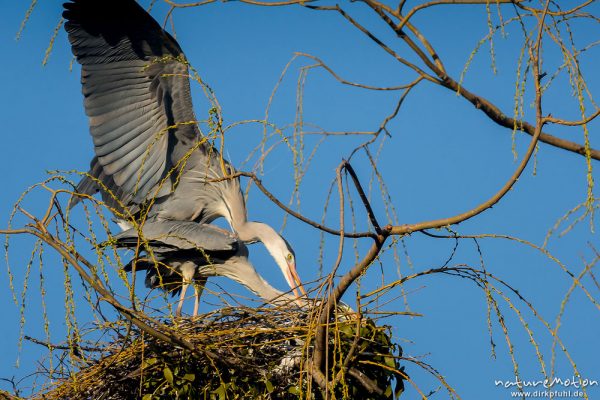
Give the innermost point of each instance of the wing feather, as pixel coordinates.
(136, 92)
(122, 139)
(180, 235)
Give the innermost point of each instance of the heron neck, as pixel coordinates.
(243, 272)
(250, 231)
(236, 213)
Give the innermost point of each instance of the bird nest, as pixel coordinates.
(243, 353)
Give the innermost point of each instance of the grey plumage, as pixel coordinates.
(179, 235)
(151, 158)
(209, 250)
(137, 97)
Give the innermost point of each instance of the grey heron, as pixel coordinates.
(151, 159)
(182, 251)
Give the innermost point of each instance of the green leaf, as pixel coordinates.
(189, 377)
(147, 397)
(220, 391)
(184, 389)
(390, 362)
(388, 392)
(150, 361)
(294, 390)
(269, 386)
(347, 330)
(168, 375)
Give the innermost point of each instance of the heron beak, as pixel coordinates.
(295, 279)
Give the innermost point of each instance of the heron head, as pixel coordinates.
(280, 250)
(290, 273)
(284, 256)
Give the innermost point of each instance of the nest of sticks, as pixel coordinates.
(242, 353)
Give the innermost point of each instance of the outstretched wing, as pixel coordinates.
(137, 94)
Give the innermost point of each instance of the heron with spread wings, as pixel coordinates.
(151, 160)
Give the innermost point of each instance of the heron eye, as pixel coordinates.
(290, 257)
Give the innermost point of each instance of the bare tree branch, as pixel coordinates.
(573, 123)
(423, 6)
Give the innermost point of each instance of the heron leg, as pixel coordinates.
(184, 287)
(198, 289)
(187, 271)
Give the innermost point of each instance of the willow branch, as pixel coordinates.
(74, 258)
(435, 66)
(406, 229)
(252, 2)
(363, 197)
(366, 382)
(328, 309)
(573, 123)
(554, 13)
(343, 81)
(334, 298)
(423, 6)
(52, 346)
(490, 109)
(107, 296)
(186, 5)
(496, 115)
(381, 44)
(295, 214)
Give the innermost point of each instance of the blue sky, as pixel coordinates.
(444, 157)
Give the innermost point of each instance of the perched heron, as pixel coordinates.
(151, 159)
(189, 250)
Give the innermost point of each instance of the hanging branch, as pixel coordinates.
(141, 320)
